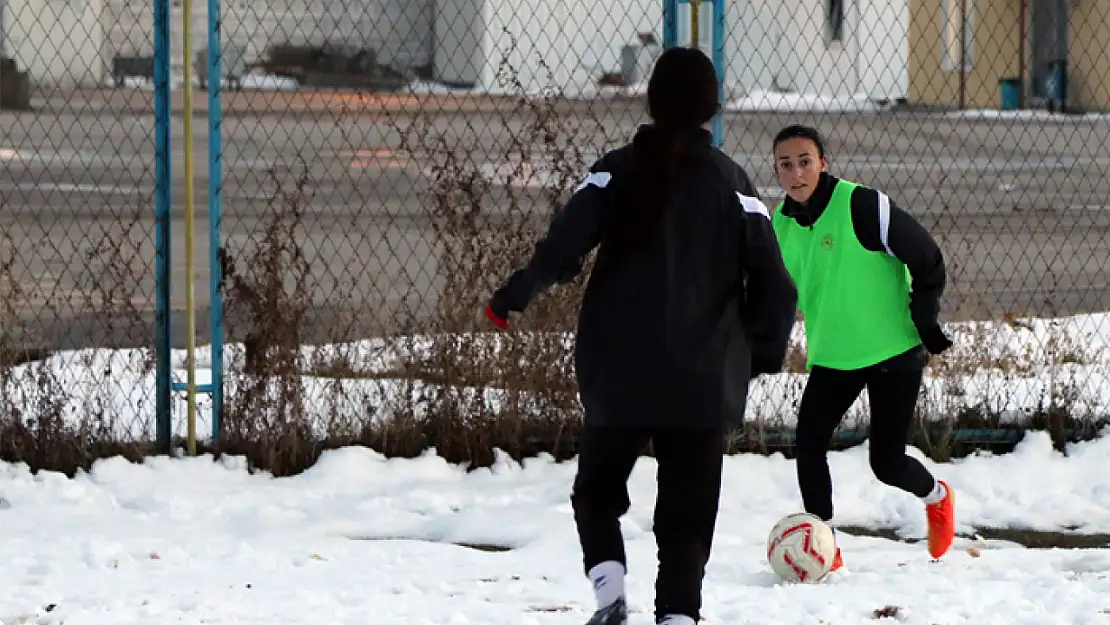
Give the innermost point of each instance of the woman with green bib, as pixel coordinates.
(853, 255)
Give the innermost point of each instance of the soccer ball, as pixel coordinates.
(801, 548)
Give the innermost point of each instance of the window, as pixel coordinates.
(834, 20)
(956, 27)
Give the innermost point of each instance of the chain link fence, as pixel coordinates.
(366, 175)
(76, 240)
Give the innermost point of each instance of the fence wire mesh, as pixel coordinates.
(76, 239)
(385, 164)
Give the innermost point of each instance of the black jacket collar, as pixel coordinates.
(808, 213)
(697, 136)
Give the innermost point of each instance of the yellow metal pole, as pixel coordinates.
(190, 258)
(694, 23)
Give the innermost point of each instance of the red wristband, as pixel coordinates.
(497, 321)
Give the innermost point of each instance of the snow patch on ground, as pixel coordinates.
(361, 537)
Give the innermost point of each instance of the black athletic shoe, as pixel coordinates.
(615, 613)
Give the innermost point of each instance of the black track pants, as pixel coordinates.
(892, 388)
(689, 488)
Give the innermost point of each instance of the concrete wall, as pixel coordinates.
(1089, 55)
(995, 35)
(543, 44)
(767, 42)
(574, 56)
(869, 58)
(811, 63)
(400, 31)
(884, 48)
(56, 41)
(461, 43)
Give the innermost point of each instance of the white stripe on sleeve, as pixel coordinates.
(753, 205)
(599, 179)
(884, 221)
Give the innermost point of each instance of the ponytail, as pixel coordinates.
(658, 153)
(682, 96)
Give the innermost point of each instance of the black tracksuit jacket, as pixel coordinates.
(669, 336)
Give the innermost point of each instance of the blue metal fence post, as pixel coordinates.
(215, 213)
(718, 41)
(670, 23)
(162, 216)
(717, 44)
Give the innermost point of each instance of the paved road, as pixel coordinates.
(1021, 207)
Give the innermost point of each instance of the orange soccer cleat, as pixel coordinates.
(942, 522)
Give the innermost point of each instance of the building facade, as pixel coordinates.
(827, 47)
(57, 42)
(961, 50)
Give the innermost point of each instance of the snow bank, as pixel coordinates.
(1010, 370)
(774, 101)
(192, 540)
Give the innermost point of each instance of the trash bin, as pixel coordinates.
(15, 86)
(1056, 85)
(1010, 93)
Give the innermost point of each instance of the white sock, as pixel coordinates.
(938, 494)
(677, 619)
(608, 581)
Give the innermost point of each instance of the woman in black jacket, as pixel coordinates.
(688, 300)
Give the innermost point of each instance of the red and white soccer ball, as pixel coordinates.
(801, 548)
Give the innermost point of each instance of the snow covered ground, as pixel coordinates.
(1009, 369)
(359, 539)
(588, 90)
(1040, 115)
(763, 101)
(770, 101)
(253, 81)
(802, 102)
(756, 101)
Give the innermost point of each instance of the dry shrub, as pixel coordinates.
(265, 413)
(61, 411)
(999, 380)
(486, 224)
(460, 391)
(995, 363)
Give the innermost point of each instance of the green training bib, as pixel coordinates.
(855, 301)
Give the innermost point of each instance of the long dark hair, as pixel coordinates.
(798, 131)
(682, 96)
